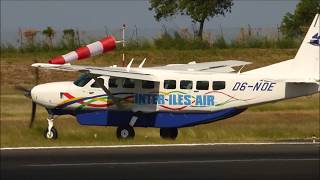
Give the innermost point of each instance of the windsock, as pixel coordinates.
(104, 45)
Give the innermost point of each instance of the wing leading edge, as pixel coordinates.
(105, 71)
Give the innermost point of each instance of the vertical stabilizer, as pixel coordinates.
(306, 61)
(305, 65)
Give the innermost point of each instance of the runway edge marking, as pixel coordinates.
(158, 145)
(168, 162)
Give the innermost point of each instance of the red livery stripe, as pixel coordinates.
(83, 52)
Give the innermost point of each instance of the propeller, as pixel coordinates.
(33, 113)
(27, 93)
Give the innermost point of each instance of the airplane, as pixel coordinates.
(171, 96)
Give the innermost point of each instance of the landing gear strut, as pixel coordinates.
(125, 132)
(50, 132)
(169, 133)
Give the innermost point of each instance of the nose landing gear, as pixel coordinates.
(50, 132)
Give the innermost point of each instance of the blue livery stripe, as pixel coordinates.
(156, 119)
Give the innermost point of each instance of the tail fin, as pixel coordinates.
(306, 61)
(305, 65)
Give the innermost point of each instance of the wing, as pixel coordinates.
(217, 66)
(133, 73)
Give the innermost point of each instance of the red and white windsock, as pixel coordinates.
(104, 45)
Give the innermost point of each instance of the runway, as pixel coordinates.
(212, 161)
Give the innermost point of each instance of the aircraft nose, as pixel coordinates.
(48, 95)
(35, 93)
(41, 94)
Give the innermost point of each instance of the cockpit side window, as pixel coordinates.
(112, 83)
(128, 83)
(96, 85)
(82, 80)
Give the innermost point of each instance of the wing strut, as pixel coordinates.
(106, 90)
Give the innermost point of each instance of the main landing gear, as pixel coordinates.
(169, 133)
(50, 132)
(127, 132)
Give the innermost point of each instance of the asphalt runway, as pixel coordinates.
(217, 161)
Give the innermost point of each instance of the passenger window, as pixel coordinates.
(185, 84)
(202, 85)
(147, 84)
(128, 83)
(113, 83)
(218, 85)
(96, 85)
(169, 84)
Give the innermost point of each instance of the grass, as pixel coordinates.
(286, 120)
(248, 127)
(298, 104)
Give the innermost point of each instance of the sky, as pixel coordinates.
(98, 14)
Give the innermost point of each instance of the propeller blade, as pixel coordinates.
(33, 114)
(27, 92)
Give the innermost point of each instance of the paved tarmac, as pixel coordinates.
(217, 161)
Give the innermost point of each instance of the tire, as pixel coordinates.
(53, 135)
(125, 132)
(169, 133)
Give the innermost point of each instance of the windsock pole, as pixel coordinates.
(123, 44)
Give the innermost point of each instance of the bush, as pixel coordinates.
(8, 48)
(139, 44)
(167, 41)
(175, 40)
(220, 43)
(285, 43)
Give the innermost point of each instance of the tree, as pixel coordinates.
(49, 33)
(69, 38)
(296, 24)
(198, 10)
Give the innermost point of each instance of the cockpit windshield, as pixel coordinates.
(82, 80)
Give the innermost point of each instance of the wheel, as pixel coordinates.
(53, 134)
(169, 133)
(125, 132)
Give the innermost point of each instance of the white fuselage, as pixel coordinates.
(174, 91)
